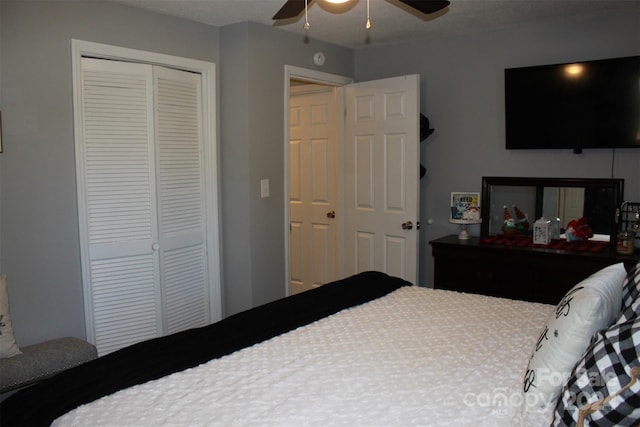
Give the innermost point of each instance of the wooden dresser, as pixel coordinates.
(527, 273)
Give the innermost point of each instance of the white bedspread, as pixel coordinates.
(418, 357)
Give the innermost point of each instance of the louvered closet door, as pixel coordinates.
(118, 180)
(141, 183)
(180, 196)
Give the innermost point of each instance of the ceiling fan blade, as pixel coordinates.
(290, 9)
(427, 6)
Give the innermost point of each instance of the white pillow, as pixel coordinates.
(590, 306)
(8, 346)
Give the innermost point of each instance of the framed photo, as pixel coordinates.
(463, 202)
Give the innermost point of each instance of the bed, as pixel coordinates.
(369, 350)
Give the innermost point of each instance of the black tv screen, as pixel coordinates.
(591, 104)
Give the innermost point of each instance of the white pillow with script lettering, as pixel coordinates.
(590, 306)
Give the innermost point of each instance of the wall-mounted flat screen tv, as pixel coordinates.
(591, 104)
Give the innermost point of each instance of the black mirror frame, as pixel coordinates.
(617, 185)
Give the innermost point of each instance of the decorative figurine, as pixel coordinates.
(509, 225)
(471, 213)
(578, 230)
(522, 222)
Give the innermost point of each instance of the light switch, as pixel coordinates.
(264, 188)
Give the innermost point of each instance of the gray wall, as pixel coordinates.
(39, 246)
(252, 65)
(40, 249)
(462, 94)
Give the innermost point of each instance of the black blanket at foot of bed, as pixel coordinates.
(41, 404)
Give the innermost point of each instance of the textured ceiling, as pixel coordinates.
(392, 21)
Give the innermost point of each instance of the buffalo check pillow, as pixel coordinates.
(591, 305)
(630, 292)
(604, 388)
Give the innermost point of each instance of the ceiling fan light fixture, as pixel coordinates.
(293, 8)
(306, 16)
(368, 25)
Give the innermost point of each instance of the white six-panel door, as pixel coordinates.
(382, 183)
(312, 171)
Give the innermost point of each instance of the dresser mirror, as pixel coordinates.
(563, 198)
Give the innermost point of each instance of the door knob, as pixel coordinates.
(407, 225)
(331, 214)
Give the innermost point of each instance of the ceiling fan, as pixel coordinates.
(293, 8)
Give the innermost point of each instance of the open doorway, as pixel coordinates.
(377, 194)
(313, 168)
(313, 185)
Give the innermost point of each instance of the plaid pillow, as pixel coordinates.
(604, 388)
(631, 288)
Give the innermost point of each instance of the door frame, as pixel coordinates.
(207, 70)
(319, 77)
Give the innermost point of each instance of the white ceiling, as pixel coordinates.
(392, 21)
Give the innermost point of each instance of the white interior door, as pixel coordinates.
(382, 161)
(181, 200)
(142, 202)
(312, 172)
(116, 181)
(570, 204)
